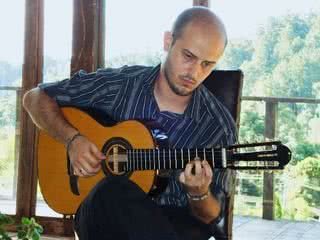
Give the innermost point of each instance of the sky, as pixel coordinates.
(135, 25)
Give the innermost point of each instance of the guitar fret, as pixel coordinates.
(175, 156)
(196, 152)
(145, 159)
(182, 160)
(149, 159)
(212, 152)
(189, 155)
(204, 155)
(137, 160)
(133, 159)
(140, 160)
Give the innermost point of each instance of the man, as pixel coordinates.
(170, 94)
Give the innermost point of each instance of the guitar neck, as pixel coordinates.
(157, 159)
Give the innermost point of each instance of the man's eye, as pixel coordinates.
(207, 64)
(188, 56)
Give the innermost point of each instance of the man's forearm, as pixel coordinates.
(206, 210)
(47, 115)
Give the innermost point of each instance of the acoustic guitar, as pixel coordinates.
(137, 150)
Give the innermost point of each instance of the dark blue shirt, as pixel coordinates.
(127, 93)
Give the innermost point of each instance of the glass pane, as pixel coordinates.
(57, 40)
(11, 57)
(138, 39)
(57, 58)
(276, 45)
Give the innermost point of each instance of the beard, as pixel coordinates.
(180, 91)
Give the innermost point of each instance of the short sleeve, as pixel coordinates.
(86, 89)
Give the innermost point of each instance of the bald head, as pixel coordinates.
(197, 16)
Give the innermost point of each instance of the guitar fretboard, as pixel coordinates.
(153, 159)
(162, 158)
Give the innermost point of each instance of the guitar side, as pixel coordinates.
(52, 162)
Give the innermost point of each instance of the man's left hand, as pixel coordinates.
(196, 183)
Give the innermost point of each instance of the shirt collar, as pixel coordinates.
(193, 109)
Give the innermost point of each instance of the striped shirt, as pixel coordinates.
(127, 93)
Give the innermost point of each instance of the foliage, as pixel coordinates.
(7, 110)
(251, 188)
(29, 229)
(278, 207)
(252, 125)
(4, 220)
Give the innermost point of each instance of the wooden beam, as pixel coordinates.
(32, 75)
(204, 3)
(101, 33)
(268, 178)
(88, 35)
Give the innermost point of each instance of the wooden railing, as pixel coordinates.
(271, 116)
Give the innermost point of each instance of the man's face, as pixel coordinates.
(191, 58)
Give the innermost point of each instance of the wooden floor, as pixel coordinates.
(249, 228)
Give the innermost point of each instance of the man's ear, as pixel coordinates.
(167, 40)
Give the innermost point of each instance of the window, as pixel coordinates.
(57, 40)
(11, 57)
(134, 31)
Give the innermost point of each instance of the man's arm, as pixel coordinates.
(203, 205)
(46, 114)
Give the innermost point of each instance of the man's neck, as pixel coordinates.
(166, 99)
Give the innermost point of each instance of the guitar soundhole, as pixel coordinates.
(116, 156)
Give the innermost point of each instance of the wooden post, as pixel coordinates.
(32, 75)
(88, 35)
(268, 179)
(204, 3)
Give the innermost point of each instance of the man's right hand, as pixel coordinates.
(85, 157)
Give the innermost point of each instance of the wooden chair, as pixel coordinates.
(227, 87)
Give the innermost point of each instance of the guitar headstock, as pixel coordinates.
(258, 156)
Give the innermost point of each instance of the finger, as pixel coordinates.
(207, 169)
(87, 169)
(182, 178)
(97, 153)
(92, 160)
(188, 169)
(198, 168)
(78, 172)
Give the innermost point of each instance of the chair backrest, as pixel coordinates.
(226, 85)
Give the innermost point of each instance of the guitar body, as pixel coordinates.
(52, 161)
